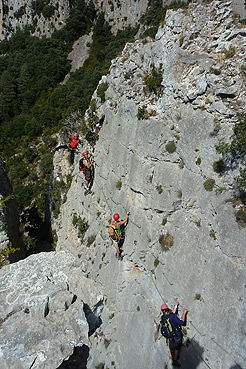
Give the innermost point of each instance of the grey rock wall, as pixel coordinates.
(44, 319)
(181, 241)
(16, 14)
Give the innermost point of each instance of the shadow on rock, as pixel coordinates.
(78, 360)
(236, 366)
(191, 355)
(93, 319)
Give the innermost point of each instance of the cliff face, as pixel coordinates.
(119, 14)
(14, 14)
(154, 155)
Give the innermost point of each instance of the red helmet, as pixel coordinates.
(116, 216)
(164, 307)
(85, 153)
(76, 134)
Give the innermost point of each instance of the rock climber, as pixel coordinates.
(74, 142)
(86, 166)
(174, 342)
(117, 231)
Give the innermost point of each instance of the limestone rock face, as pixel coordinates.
(47, 305)
(16, 14)
(123, 13)
(155, 152)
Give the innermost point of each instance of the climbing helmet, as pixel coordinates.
(116, 216)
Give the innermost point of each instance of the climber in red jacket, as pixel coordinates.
(74, 142)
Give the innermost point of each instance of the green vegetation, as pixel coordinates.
(198, 297)
(166, 242)
(4, 201)
(198, 161)
(101, 89)
(215, 71)
(142, 113)
(118, 184)
(235, 149)
(34, 104)
(241, 216)
(46, 163)
(156, 13)
(170, 147)
(81, 224)
(156, 262)
(5, 254)
(153, 81)
(159, 189)
(229, 53)
(219, 166)
(179, 193)
(212, 234)
(100, 366)
(209, 184)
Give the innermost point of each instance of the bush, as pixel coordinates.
(29, 155)
(166, 242)
(48, 11)
(198, 161)
(153, 81)
(17, 170)
(81, 224)
(142, 113)
(46, 164)
(23, 195)
(219, 166)
(150, 32)
(236, 149)
(118, 184)
(209, 184)
(159, 189)
(6, 253)
(155, 13)
(241, 216)
(170, 147)
(156, 262)
(102, 88)
(229, 53)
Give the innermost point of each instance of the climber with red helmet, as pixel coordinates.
(117, 231)
(86, 166)
(74, 141)
(170, 325)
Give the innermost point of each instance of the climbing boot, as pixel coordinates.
(176, 364)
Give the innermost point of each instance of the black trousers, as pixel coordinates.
(71, 151)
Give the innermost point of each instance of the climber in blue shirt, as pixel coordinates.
(175, 342)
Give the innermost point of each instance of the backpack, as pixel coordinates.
(113, 233)
(166, 327)
(81, 164)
